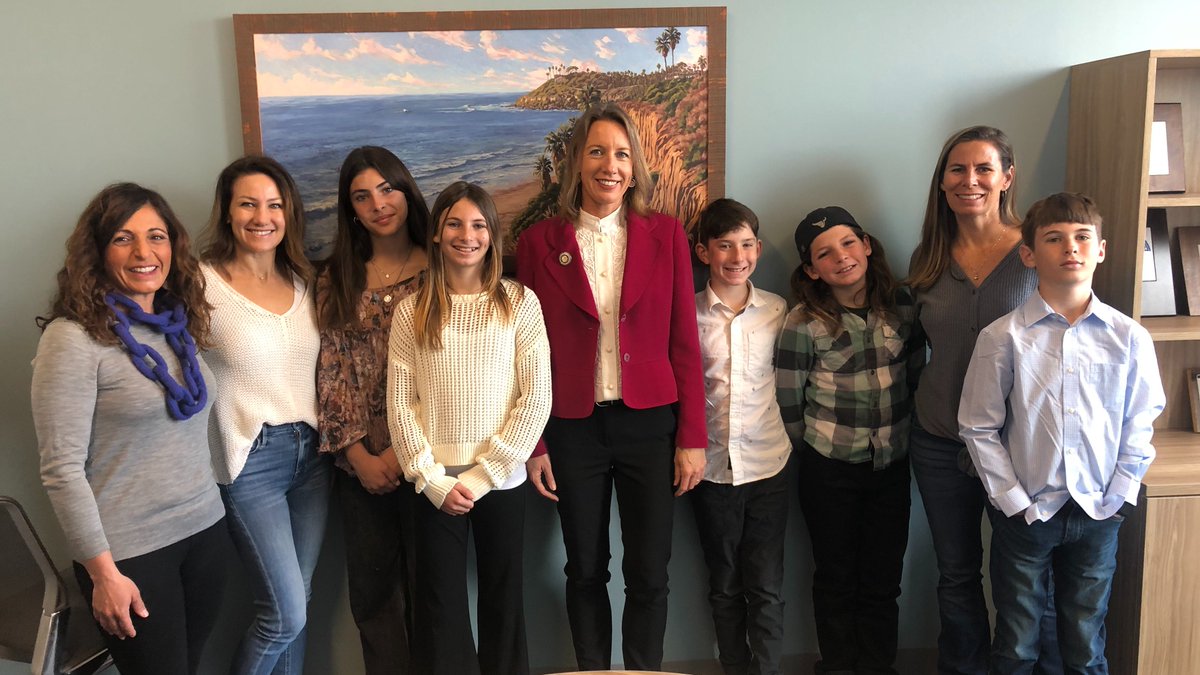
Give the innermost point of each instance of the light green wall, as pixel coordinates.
(844, 103)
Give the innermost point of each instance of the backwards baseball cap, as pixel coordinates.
(819, 221)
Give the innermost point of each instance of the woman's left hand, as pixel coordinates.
(689, 469)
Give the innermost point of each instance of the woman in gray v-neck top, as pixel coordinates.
(965, 273)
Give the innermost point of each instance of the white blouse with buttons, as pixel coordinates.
(602, 244)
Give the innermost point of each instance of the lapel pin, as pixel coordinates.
(564, 259)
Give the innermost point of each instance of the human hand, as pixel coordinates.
(542, 476)
(459, 501)
(689, 469)
(113, 596)
(377, 475)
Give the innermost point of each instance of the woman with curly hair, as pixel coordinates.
(121, 336)
(264, 439)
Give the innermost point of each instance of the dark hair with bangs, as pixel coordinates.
(1062, 207)
(723, 216)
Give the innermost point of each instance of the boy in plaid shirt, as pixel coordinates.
(847, 364)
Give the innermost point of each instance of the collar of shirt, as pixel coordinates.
(712, 300)
(1037, 309)
(604, 225)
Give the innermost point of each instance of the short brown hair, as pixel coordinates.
(723, 216)
(1062, 207)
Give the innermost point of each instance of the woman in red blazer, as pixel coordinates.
(615, 284)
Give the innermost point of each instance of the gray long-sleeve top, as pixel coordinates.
(952, 312)
(122, 475)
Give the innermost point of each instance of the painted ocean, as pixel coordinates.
(441, 138)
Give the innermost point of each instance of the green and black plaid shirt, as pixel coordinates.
(849, 395)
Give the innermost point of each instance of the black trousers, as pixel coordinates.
(632, 451)
(181, 586)
(858, 521)
(742, 529)
(379, 534)
(443, 643)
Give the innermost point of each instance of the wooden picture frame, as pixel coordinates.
(1188, 275)
(1193, 386)
(1158, 282)
(483, 96)
(1167, 170)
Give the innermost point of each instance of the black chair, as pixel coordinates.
(44, 622)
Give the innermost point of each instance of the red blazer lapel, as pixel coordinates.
(564, 265)
(641, 252)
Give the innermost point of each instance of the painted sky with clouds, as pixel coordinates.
(445, 62)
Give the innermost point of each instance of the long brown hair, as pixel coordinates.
(817, 299)
(83, 280)
(433, 300)
(570, 197)
(940, 228)
(352, 246)
(221, 247)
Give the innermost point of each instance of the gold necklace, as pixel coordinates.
(983, 256)
(386, 278)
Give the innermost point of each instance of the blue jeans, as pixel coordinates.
(276, 509)
(1083, 554)
(954, 504)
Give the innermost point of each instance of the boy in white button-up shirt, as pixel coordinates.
(1056, 412)
(741, 505)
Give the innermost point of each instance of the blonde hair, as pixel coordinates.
(433, 301)
(570, 197)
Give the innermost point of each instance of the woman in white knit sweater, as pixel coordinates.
(262, 429)
(468, 396)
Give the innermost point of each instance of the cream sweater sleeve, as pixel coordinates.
(409, 442)
(509, 447)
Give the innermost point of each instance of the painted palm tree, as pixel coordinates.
(589, 96)
(663, 48)
(544, 169)
(673, 37)
(556, 145)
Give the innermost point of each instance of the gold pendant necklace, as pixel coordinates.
(385, 279)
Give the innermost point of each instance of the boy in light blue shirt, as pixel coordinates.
(1057, 412)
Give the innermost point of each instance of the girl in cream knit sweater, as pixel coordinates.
(468, 396)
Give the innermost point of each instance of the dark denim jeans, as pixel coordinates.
(1083, 554)
(742, 529)
(277, 508)
(954, 505)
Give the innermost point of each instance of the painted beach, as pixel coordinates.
(320, 95)
(481, 138)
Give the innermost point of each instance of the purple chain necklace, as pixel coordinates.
(182, 401)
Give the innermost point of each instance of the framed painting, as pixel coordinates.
(487, 97)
